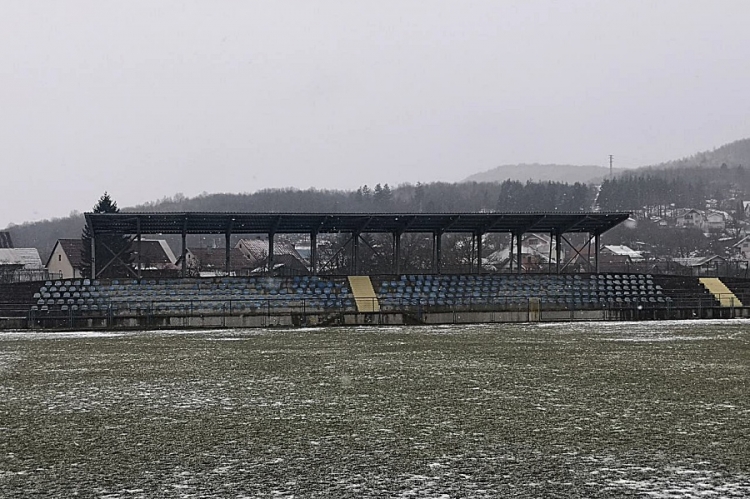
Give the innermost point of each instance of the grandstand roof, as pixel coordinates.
(300, 223)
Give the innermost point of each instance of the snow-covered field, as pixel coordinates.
(649, 409)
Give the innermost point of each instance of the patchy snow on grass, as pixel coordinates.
(457, 411)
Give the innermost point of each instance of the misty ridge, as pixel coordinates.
(720, 175)
(733, 154)
(536, 172)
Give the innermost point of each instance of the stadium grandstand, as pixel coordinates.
(568, 286)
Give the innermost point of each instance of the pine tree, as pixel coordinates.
(107, 246)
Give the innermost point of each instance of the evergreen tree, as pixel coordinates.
(382, 197)
(107, 246)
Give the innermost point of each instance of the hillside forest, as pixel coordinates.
(655, 196)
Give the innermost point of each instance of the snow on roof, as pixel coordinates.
(166, 249)
(215, 258)
(28, 257)
(717, 213)
(697, 261)
(622, 250)
(502, 255)
(257, 249)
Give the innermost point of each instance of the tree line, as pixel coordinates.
(440, 197)
(655, 191)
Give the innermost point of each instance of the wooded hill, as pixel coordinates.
(735, 153)
(434, 197)
(720, 178)
(731, 155)
(544, 173)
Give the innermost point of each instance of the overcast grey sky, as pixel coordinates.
(149, 98)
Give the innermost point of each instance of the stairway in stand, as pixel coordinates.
(364, 293)
(721, 292)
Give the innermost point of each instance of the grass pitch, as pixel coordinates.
(652, 409)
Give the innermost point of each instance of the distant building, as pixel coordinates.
(539, 244)
(690, 219)
(708, 221)
(715, 221)
(537, 252)
(26, 258)
(156, 258)
(660, 222)
(156, 255)
(211, 262)
(625, 252)
(65, 260)
(742, 247)
(286, 259)
(703, 265)
(21, 264)
(613, 258)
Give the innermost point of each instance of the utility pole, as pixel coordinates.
(610, 165)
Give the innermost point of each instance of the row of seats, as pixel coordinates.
(224, 295)
(316, 293)
(552, 291)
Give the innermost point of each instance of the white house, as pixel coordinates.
(65, 260)
(692, 219)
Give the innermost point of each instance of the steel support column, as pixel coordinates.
(355, 253)
(183, 253)
(549, 255)
(473, 252)
(270, 253)
(519, 253)
(558, 250)
(93, 255)
(511, 251)
(434, 265)
(227, 254)
(596, 251)
(433, 260)
(138, 262)
(479, 252)
(313, 253)
(439, 252)
(396, 252)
